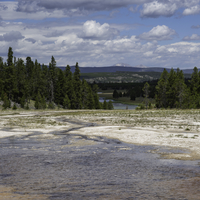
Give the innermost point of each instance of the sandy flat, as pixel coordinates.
(153, 130)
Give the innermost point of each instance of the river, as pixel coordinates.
(64, 166)
(120, 106)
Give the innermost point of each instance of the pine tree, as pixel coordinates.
(60, 88)
(105, 105)
(96, 96)
(146, 93)
(2, 76)
(90, 101)
(195, 89)
(73, 100)
(77, 87)
(39, 102)
(110, 105)
(68, 86)
(22, 101)
(180, 88)
(96, 101)
(171, 92)
(161, 89)
(84, 94)
(66, 102)
(115, 94)
(29, 87)
(52, 78)
(10, 57)
(21, 80)
(43, 103)
(6, 102)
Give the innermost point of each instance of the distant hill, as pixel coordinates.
(119, 74)
(110, 69)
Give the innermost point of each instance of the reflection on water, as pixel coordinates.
(78, 167)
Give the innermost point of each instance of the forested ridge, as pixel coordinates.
(47, 86)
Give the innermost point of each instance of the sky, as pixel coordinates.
(162, 33)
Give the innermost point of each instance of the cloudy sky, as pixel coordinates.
(162, 33)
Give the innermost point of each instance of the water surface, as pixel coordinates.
(64, 166)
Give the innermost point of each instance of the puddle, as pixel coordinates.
(66, 166)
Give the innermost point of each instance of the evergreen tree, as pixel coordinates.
(73, 100)
(161, 89)
(68, 87)
(146, 93)
(10, 57)
(23, 82)
(52, 78)
(77, 87)
(171, 92)
(110, 105)
(96, 96)
(2, 76)
(60, 88)
(195, 89)
(6, 101)
(66, 102)
(132, 96)
(84, 94)
(115, 94)
(180, 88)
(10, 85)
(105, 105)
(29, 87)
(22, 101)
(96, 101)
(43, 103)
(40, 102)
(120, 94)
(90, 101)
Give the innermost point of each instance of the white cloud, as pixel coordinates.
(94, 30)
(88, 5)
(158, 33)
(192, 10)
(42, 9)
(93, 43)
(156, 9)
(193, 37)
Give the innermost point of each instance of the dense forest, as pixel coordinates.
(173, 91)
(47, 86)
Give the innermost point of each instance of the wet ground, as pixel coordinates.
(62, 166)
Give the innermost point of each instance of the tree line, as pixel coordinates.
(173, 92)
(48, 86)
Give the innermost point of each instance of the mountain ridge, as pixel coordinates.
(115, 68)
